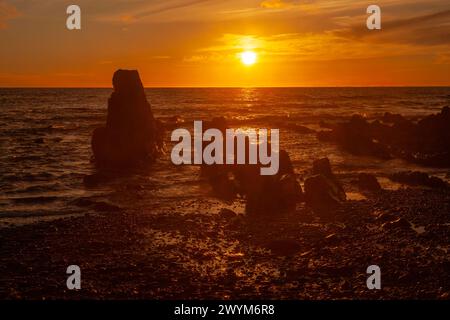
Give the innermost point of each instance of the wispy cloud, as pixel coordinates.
(144, 11)
(7, 12)
(169, 6)
(420, 30)
(277, 4)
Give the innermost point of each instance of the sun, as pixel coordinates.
(248, 58)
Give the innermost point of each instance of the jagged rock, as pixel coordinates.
(264, 194)
(222, 183)
(132, 136)
(227, 213)
(323, 167)
(386, 217)
(393, 118)
(321, 192)
(331, 239)
(291, 190)
(273, 194)
(441, 159)
(368, 182)
(355, 137)
(416, 178)
(301, 129)
(399, 224)
(426, 142)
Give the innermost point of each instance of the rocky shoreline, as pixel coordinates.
(286, 236)
(186, 254)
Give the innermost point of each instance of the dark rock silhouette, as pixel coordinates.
(273, 194)
(323, 190)
(269, 194)
(227, 213)
(355, 137)
(323, 167)
(416, 178)
(426, 142)
(132, 136)
(393, 118)
(399, 224)
(368, 182)
(320, 192)
(263, 194)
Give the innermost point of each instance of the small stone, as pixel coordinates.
(386, 217)
(227, 213)
(400, 223)
(368, 182)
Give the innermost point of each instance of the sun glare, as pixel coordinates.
(248, 58)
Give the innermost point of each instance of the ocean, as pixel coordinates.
(45, 142)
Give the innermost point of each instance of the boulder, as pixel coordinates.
(368, 182)
(132, 135)
(416, 178)
(399, 224)
(227, 213)
(323, 189)
(386, 217)
(426, 142)
(263, 194)
(273, 194)
(393, 118)
(356, 137)
(322, 192)
(323, 167)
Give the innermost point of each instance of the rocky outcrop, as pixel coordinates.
(368, 182)
(323, 189)
(263, 194)
(416, 178)
(356, 137)
(131, 136)
(426, 142)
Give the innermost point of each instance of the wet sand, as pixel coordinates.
(190, 252)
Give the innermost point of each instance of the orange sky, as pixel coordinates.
(198, 42)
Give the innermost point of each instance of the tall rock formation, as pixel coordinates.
(132, 136)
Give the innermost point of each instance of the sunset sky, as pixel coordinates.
(199, 42)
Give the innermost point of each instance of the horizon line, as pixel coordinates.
(235, 87)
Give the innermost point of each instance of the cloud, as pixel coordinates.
(171, 6)
(323, 46)
(7, 12)
(277, 4)
(144, 11)
(288, 47)
(425, 30)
